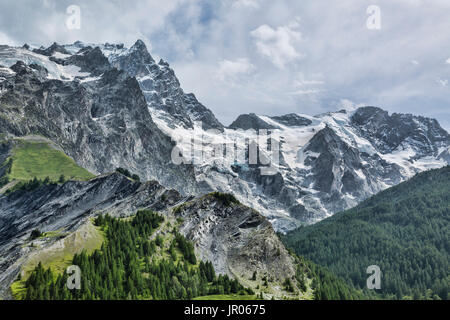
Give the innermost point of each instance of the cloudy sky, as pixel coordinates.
(270, 57)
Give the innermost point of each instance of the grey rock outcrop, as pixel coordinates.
(250, 121)
(292, 120)
(389, 132)
(236, 239)
(50, 50)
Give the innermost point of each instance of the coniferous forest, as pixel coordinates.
(134, 264)
(328, 286)
(404, 230)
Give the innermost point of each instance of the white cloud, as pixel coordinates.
(448, 61)
(5, 39)
(43, 22)
(442, 82)
(254, 4)
(310, 92)
(302, 82)
(349, 105)
(279, 45)
(232, 70)
(302, 86)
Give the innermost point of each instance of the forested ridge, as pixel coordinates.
(404, 230)
(327, 286)
(131, 265)
(136, 263)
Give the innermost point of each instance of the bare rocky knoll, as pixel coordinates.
(237, 240)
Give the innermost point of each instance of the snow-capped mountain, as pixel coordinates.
(160, 86)
(327, 163)
(97, 114)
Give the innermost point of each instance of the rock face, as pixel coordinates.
(445, 155)
(390, 132)
(338, 169)
(5, 148)
(235, 238)
(50, 50)
(161, 87)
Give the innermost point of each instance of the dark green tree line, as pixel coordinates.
(126, 268)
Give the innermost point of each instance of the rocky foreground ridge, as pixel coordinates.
(237, 239)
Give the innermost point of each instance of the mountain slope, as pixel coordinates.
(404, 230)
(65, 209)
(160, 86)
(95, 113)
(36, 157)
(152, 260)
(325, 165)
(234, 237)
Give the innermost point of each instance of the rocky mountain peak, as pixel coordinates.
(19, 67)
(162, 88)
(250, 121)
(51, 50)
(292, 120)
(424, 136)
(90, 60)
(139, 51)
(375, 115)
(139, 45)
(163, 63)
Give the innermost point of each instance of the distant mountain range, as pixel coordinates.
(118, 107)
